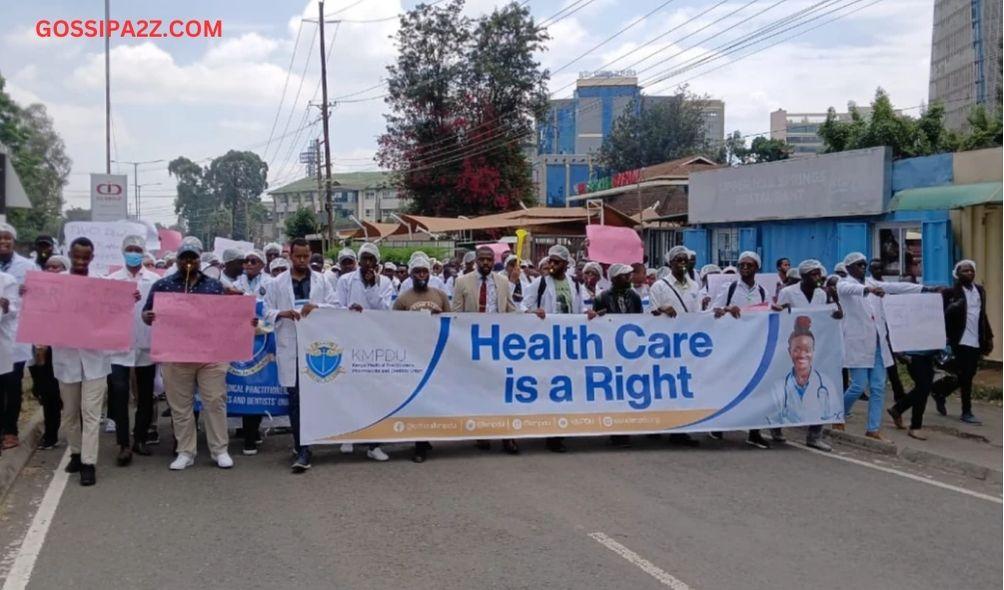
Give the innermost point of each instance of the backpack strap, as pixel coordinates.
(677, 293)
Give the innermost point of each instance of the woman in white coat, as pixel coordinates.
(290, 296)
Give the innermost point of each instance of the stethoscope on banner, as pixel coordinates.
(821, 390)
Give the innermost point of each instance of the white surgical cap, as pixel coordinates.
(469, 257)
(676, 251)
(749, 255)
(346, 254)
(595, 267)
(510, 258)
(231, 254)
(794, 274)
(839, 267)
(272, 247)
(708, 269)
(60, 259)
(559, 251)
(651, 272)
(729, 270)
(390, 266)
(256, 254)
(417, 254)
(807, 266)
(8, 228)
(418, 262)
(278, 263)
(617, 270)
(134, 240)
(853, 258)
(543, 261)
(960, 264)
(369, 248)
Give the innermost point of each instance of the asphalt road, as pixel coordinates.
(656, 516)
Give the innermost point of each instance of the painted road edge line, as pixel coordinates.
(640, 562)
(31, 545)
(933, 482)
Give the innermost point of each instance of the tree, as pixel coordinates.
(462, 93)
(650, 133)
(762, 149)
(38, 155)
(984, 129)
(300, 224)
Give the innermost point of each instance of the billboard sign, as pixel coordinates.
(109, 197)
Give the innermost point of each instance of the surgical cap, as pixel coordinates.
(708, 269)
(134, 240)
(417, 254)
(8, 228)
(346, 254)
(650, 272)
(839, 267)
(190, 244)
(617, 270)
(278, 263)
(510, 258)
(469, 257)
(390, 266)
(753, 256)
(960, 264)
(60, 259)
(854, 258)
(369, 248)
(729, 270)
(256, 254)
(595, 267)
(559, 251)
(676, 251)
(807, 266)
(542, 262)
(794, 274)
(418, 262)
(272, 247)
(150, 257)
(231, 254)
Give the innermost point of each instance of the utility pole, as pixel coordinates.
(108, 97)
(135, 178)
(317, 164)
(327, 139)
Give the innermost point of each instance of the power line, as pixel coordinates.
(299, 88)
(282, 98)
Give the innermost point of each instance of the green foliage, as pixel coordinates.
(222, 199)
(300, 224)
(659, 132)
(761, 149)
(984, 129)
(38, 155)
(397, 254)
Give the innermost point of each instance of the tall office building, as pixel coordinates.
(965, 57)
(801, 130)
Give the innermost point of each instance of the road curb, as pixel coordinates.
(14, 460)
(922, 456)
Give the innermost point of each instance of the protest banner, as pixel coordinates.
(253, 385)
(501, 250)
(202, 328)
(107, 237)
(399, 376)
(221, 244)
(610, 244)
(170, 240)
(73, 311)
(916, 321)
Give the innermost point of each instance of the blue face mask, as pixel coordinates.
(133, 259)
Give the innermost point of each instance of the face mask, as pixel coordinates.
(133, 259)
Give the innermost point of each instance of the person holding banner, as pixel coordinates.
(743, 294)
(592, 274)
(82, 376)
(11, 382)
(484, 291)
(677, 293)
(180, 379)
(293, 295)
(135, 360)
(706, 271)
(406, 282)
(233, 268)
(364, 289)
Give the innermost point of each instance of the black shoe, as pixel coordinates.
(74, 465)
(166, 413)
(124, 458)
(621, 441)
(777, 435)
(141, 449)
(509, 446)
(46, 445)
(302, 462)
(683, 439)
(250, 448)
(419, 456)
(939, 404)
(897, 418)
(88, 477)
(716, 435)
(153, 437)
(483, 445)
(755, 439)
(556, 445)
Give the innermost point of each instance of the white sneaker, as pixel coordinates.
(182, 461)
(377, 454)
(223, 461)
(347, 449)
(109, 425)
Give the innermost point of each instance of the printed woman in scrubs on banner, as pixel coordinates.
(804, 395)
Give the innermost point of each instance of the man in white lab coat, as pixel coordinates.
(11, 382)
(136, 359)
(82, 376)
(292, 295)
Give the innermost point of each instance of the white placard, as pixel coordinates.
(221, 244)
(109, 197)
(916, 321)
(107, 237)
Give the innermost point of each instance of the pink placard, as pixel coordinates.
(610, 244)
(72, 311)
(169, 239)
(192, 328)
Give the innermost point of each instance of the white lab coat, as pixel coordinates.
(18, 268)
(75, 365)
(793, 296)
(549, 299)
(864, 320)
(662, 294)
(820, 401)
(139, 355)
(254, 287)
(8, 321)
(279, 297)
(350, 291)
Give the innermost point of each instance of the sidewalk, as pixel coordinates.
(952, 445)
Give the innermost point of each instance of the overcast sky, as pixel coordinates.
(200, 97)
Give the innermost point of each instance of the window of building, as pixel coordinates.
(725, 246)
(899, 249)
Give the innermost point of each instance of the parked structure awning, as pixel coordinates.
(946, 197)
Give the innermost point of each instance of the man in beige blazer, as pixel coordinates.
(484, 291)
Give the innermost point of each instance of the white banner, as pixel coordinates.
(107, 237)
(916, 321)
(404, 376)
(109, 197)
(221, 244)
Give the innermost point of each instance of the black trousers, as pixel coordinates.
(967, 360)
(294, 413)
(10, 399)
(118, 402)
(921, 369)
(250, 425)
(46, 389)
(892, 375)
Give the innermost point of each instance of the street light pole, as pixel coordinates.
(327, 138)
(135, 178)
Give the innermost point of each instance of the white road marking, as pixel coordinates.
(637, 560)
(31, 545)
(933, 482)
